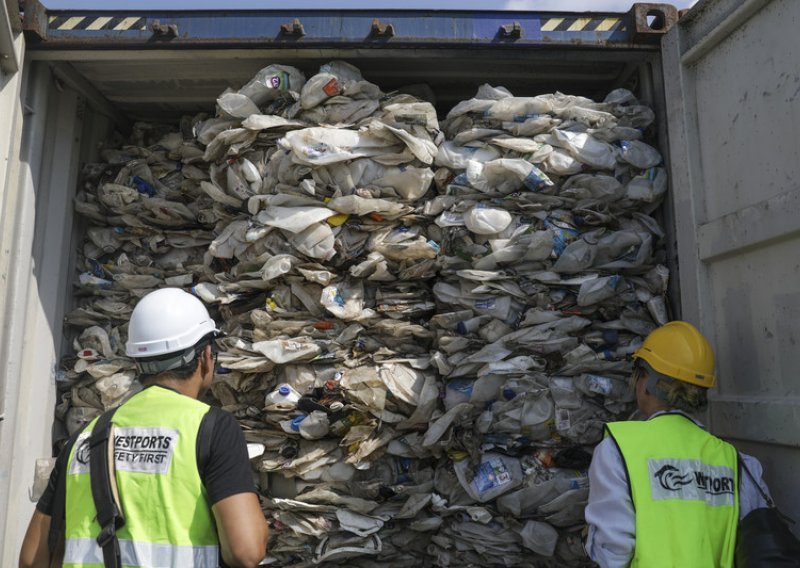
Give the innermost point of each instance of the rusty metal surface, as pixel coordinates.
(381, 30)
(295, 29)
(34, 20)
(651, 21)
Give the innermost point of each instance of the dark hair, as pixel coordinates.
(183, 372)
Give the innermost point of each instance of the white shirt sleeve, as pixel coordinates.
(749, 496)
(609, 513)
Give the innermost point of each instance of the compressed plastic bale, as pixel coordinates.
(539, 537)
(315, 241)
(266, 286)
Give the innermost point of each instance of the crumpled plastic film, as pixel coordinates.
(427, 323)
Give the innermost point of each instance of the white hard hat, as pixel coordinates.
(166, 321)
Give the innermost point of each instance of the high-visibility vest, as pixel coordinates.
(684, 487)
(168, 519)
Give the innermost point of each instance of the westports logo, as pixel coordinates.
(670, 478)
(691, 480)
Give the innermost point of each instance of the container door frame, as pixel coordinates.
(732, 87)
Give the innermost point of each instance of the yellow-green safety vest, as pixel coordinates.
(168, 519)
(684, 487)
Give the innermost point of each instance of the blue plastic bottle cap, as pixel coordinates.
(296, 422)
(283, 390)
(508, 394)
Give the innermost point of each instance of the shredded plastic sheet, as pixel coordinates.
(428, 323)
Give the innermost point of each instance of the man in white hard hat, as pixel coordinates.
(181, 470)
(663, 491)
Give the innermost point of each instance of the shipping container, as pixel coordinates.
(723, 78)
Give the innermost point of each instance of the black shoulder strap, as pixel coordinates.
(109, 515)
(60, 501)
(205, 438)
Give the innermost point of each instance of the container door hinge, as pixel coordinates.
(164, 31)
(651, 21)
(34, 20)
(295, 29)
(381, 30)
(511, 31)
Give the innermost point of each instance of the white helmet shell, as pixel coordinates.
(166, 321)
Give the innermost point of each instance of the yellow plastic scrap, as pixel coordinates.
(338, 219)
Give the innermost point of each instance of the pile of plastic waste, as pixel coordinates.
(427, 323)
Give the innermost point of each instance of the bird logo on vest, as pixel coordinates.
(670, 478)
(83, 453)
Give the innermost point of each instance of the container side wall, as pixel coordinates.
(36, 293)
(733, 89)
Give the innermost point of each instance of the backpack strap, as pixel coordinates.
(60, 500)
(205, 436)
(104, 489)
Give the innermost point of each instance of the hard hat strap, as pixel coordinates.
(174, 361)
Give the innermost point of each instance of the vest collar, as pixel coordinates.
(678, 412)
(162, 387)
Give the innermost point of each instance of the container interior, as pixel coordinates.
(75, 101)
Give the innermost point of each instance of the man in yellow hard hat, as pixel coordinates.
(664, 492)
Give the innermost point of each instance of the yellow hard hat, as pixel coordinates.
(680, 351)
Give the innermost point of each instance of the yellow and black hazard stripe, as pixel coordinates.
(577, 24)
(95, 23)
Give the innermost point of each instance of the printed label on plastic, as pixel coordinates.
(331, 88)
(598, 384)
(536, 180)
(464, 387)
(492, 473)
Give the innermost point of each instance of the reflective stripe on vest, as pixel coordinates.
(684, 486)
(84, 551)
(167, 513)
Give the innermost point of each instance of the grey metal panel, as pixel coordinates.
(10, 165)
(9, 53)
(732, 77)
(39, 224)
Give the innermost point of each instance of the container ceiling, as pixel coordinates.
(165, 84)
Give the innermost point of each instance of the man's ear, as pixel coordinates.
(206, 360)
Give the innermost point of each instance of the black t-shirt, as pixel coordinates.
(226, 472)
